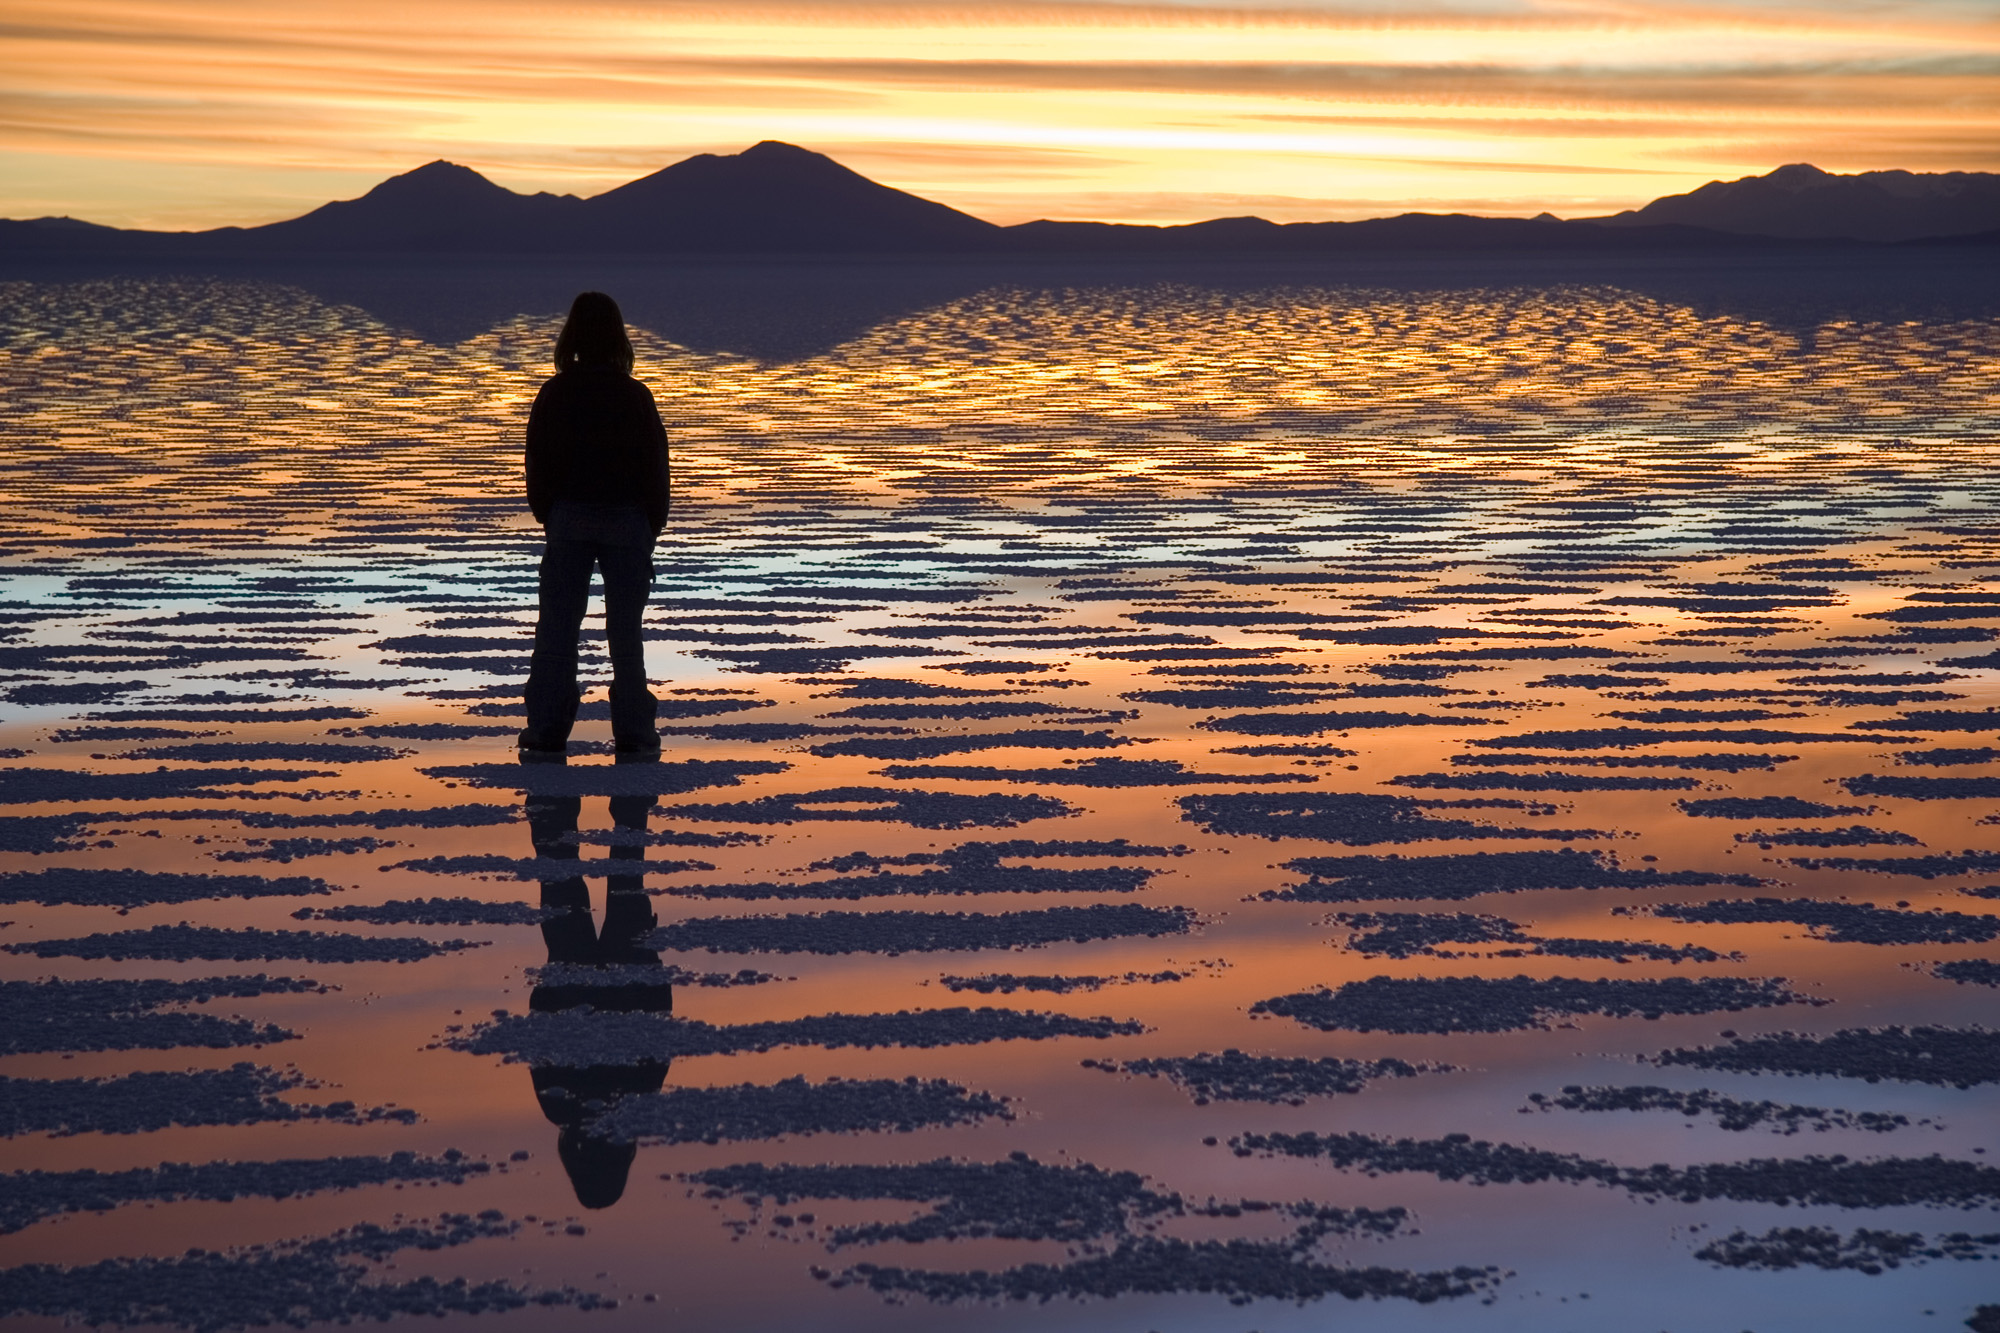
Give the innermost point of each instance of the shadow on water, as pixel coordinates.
(605, 969)
(775, 311)
(784, 310)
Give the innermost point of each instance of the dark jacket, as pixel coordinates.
(594, 436)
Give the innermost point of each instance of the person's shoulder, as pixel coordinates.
(585, 380)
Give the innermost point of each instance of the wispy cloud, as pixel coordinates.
(1051, 104)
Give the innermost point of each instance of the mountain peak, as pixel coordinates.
(775, 197)
(1801, 202)
(1795, 176)
(775, 149)
(436, 181)
(774, 159)
(438, 168)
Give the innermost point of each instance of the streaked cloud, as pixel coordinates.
(1012, 110)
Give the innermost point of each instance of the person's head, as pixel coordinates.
(594, 334)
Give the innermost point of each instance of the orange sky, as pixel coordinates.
(190, 113)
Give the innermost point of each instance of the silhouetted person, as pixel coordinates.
(597, 481)
(570, 1095)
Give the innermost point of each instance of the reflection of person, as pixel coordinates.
(597, 481)
(570, 1095)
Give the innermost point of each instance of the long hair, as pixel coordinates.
(594, 333)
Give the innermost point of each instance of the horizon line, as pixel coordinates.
(1005, 226)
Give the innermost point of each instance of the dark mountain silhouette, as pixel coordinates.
(68, 236)
(439, 206)
(1801, 202)
(772, 198)
(775, 198)
(1423, 232)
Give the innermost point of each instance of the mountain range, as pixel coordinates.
(1801, 202)
(776, 198)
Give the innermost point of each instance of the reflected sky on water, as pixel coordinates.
(1630, 634)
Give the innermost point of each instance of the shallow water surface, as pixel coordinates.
(1193, 800)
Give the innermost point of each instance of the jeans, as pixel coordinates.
(618, 541)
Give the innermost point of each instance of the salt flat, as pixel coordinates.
(1193, 799)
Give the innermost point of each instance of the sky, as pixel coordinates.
(198, 113)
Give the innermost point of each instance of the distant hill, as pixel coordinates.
(1801, 202)
(1454, 233)
(439, 206)
(775, 198)
(772, 198)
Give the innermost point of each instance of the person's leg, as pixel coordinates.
(551, 692)
(628, 580)
(570, 933)
(552, 824)
(628, 911)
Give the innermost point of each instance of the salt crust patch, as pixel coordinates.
(1504, 1004)
(1946, 1057)
(1235, 1076)
(1101, 771)
(35, 786)
(433, 912)
(1470, 875)
(1354, 818)
(30, 1196)
(1891, 1182)
(321, 1280)
(185, 943)
(897, 805)
(139, 888)
(105, 1015)
(794, 1106)
(906, 932)
(1866, 1250)
(1111, 1216)
(1843, 922)
(580, 1037)
(1730, 1113)
(955, 880)
(242, 1094)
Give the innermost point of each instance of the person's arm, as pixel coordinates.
(658, 471)
(538, 462)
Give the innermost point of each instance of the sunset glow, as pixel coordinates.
(198, 113)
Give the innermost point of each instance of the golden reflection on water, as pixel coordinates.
(1023, 388)
(1477, 506)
